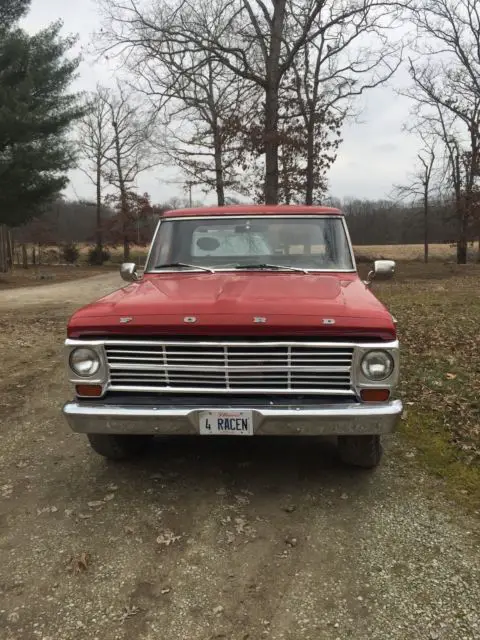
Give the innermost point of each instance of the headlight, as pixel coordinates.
(377, 365)
(84, 361)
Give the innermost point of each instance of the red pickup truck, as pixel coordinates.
(246, 321)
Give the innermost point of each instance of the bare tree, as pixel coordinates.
(342, 62)
(256, 41)
(446, 89)
(204, 105)
(420, 187)
(95, 141)
(132, 150)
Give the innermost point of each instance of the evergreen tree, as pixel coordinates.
(36, 111)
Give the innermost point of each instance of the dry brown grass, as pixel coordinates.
(363, 253)
(47, 274)
(409, 252)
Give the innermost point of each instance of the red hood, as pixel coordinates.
(227, 303)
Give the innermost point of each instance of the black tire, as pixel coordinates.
(360, 451)
(118, 447)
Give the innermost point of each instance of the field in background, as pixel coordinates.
(409, 252)
(409, 258)
(400, 252)
(364, 253)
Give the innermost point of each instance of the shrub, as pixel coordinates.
(70, 252)
(361, 258)
(98, 255)
(50, 255)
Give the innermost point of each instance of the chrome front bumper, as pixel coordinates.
(331, 419)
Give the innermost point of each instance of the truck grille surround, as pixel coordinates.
(241, 367)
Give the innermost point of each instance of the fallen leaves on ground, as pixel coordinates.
(79, 563)
(440, 349)
(128, 612)
(167, 538)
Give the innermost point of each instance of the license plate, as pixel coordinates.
(226, 423)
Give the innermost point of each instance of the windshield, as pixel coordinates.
(317, 243)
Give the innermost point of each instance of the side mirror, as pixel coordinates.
(128, 272)
(382, 270)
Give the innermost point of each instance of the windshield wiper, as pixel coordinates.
(279, 267)
(183, 265)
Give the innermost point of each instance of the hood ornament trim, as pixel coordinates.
(126, 319)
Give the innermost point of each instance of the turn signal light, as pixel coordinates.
(375, 395)
(90, 390)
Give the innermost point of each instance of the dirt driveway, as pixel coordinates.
(202, 539)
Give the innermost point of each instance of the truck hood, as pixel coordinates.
(238, 303)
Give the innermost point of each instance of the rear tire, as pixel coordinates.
(118, 447)
(360, 451)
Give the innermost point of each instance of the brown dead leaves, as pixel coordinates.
(439, 332)
(79, 564)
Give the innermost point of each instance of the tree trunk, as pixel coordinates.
(34, 261)
(24, 256)
(9, 249)
(284, 184)
(125, 225)
(287, 195)
(123, 197)
(219, 183)
(271, 103)
(461, 251)
(460, 212)
(310, 165)
(99, 239)
(271, 146)
(3, 249)
(462, 240)
(425, 227)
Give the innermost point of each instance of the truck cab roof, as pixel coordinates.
(250, 210)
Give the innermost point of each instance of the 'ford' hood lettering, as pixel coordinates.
(288, 300)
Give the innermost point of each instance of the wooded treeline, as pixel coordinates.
(384, 222)
(370, 222)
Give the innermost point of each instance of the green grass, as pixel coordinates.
(440, 456)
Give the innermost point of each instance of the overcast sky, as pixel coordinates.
(374, 155)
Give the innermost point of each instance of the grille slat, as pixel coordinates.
(275, 367)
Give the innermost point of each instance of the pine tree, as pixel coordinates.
(36, 112)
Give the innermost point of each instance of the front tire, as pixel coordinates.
(360, 451)
(118, 447)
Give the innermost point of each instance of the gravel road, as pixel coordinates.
(209, 539)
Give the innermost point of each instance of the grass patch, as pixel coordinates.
(438, 311)
(439, 455)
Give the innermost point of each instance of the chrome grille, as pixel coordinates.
(230, 367)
